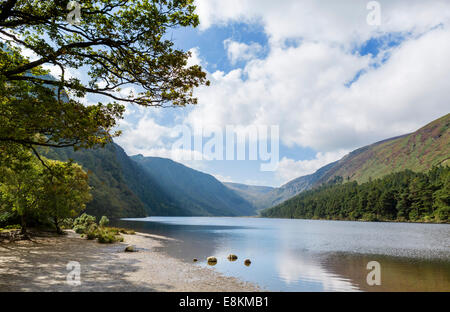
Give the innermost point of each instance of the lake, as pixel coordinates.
(310, 255)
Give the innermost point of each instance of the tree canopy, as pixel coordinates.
(118, 43)
(400, 196)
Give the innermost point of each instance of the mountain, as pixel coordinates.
(419, 151)
(195, 192)
(251, 193)
(138, 186)
(120, 187)
(404, 196)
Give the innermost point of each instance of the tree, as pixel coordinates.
(18, 188)
(442, 198)
(119, 43)
(64, 191)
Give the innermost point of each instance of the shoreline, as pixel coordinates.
(41, 265)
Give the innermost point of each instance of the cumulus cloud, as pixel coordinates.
(304, 90)
(289, 169)
(325, 20)
(305, 87)
(238, 51)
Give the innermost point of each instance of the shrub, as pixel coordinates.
(92, 231)
(104, 221)
(79, 229)
(108, 237)
(83, 223)
(117, 231)
(369, 216)
(84, 220)
(13, 227)
(67, 223)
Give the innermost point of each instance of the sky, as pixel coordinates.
(332, 76)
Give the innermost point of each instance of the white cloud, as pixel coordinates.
(238, 51)
(289, 169)
(145, 136)
(303, 90)
(325, 20)
(302, 87)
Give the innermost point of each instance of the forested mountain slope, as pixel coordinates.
(419, 151)
(195, 192)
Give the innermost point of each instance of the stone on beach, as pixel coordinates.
(130, 248)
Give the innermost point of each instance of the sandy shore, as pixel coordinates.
(40, 265)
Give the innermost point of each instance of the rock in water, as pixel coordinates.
(195, 260)
(211, 260)
(232, 257)
(247, 262)
(130, 248)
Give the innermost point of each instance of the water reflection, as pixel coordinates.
(295, 268)
(300, 255)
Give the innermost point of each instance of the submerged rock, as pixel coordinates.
(232, 257)
(130, 248)
(211, 260)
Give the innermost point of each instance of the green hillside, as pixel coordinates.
(400, 196)
(118, 184)
(124, 186)
(418, 151)
(195, 192)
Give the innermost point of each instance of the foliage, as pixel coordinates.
(13, 227)
(40, 191)
(64, 191)
(108, 237)
(401, 196)
(117, 231)
(119, 43)
(20, 187)
(104, 221)
(67, 223)
(83, 222)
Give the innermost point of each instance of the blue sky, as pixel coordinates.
(319, 72)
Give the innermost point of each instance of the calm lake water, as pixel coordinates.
(307, 255)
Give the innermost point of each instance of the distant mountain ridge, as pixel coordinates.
(138, 186)
(195, 192)
(252, 193)
(418, 151)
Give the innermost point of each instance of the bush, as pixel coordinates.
(67, 223)
(7, 218)
(85, 220)
(369, 216)
(79, 229)
(104, 221)
(83, 223)
(108, 237)
(13, 227)
(92, 231)
(118, 231)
